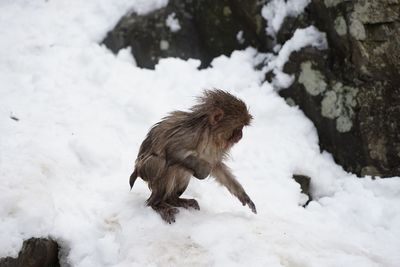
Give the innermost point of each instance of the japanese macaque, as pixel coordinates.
(192, 143)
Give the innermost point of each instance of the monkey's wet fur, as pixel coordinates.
(193, 143)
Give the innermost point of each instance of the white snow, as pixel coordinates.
(83, 112)
(172, 22)
(301, 38)
(275, 12)
(240, 38)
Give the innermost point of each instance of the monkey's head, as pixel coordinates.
(226, 114)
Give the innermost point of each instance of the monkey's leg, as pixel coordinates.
(186, 203)
(157, 202)
(174, 199)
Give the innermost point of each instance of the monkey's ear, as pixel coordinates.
(216, 116)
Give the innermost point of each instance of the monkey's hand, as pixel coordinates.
(201, 168)
(245, 199)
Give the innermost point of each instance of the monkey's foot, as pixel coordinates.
(187, 203)
(166, 212)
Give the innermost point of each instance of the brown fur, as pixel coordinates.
(191, 143)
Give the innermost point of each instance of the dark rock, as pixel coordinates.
(14, 118)
(208, 29)
(35, 252)
(352, 90)
(150, 39)
(304, 182)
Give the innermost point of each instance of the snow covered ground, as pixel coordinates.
(82, 114)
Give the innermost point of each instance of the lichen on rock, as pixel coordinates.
(313, 80)
(339, 104)
(340, 25)
(357, 29)
(332, 3)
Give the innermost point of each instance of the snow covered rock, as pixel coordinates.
(352, 91)
(207, 29)
(35, 252)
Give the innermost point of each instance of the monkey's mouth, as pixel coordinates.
(236, 135)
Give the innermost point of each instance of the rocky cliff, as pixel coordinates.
(351, 91)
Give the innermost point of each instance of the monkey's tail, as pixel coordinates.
(133, 178)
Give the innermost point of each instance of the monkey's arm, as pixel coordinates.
(188, 160)
(223, 175)
(201, 168)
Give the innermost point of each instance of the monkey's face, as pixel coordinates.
(233, 128)
(228, 133)
(236, 135)
(236, 124)
(227, 115)
(229, 127)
